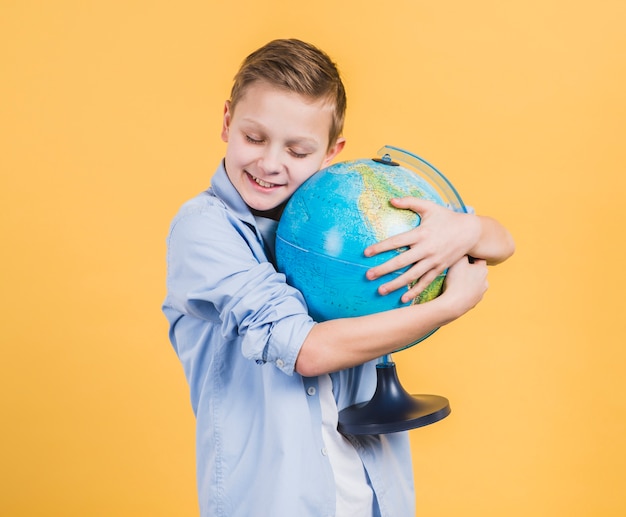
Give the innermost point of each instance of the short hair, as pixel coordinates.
(298, 67)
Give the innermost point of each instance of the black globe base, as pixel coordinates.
(392, 409)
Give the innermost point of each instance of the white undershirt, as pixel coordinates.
(354, 495)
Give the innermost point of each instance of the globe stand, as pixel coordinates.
(392, 409)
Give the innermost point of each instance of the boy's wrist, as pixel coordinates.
(444, 309)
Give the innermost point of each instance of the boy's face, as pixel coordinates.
(276, 141)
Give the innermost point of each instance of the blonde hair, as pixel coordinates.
(298, 67)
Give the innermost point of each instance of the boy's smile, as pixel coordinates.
(276, 141)
(261, 182)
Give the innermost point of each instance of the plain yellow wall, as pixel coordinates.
(109, 119)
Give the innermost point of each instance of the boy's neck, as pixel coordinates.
(274, 213)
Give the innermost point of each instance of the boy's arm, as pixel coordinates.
(494, 244)
(344, 343)
(441, 239)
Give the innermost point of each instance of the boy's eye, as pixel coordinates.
(296, 154)
(253, 140)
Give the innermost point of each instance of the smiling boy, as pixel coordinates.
(266, 380)
(276, 140)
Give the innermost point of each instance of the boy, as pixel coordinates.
(266, 381)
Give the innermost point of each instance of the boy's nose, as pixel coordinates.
(270, 161)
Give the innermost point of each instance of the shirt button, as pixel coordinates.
(280, 363)
(324, 451)
(311, 390)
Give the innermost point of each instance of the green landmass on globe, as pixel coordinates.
(377, 189)
(328, 223)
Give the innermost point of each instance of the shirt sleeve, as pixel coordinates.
(218, 272)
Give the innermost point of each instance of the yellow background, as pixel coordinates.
(110, 114)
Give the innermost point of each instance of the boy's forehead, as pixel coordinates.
(263, 105)
(265, 88)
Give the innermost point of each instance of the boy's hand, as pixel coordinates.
(465, 284)
(442, 239)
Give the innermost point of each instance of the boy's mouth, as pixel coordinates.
(260, 182)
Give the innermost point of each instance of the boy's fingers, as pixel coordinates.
(421, 284)
(423, 272)
(394, 264)
(416, 204)
(402, 240)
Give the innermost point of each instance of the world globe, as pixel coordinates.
(324, 229)
(337, 213)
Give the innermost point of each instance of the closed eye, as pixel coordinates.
(298, 155)
(253, 140)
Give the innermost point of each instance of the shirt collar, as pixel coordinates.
(225, 190)
(264, 228)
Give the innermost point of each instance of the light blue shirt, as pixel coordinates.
(237, 328)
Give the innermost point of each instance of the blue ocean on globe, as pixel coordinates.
(328, 223)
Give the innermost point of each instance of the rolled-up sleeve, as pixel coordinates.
(218, 272)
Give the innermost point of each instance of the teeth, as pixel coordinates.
(262, 183)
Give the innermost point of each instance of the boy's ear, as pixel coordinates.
(334, 151)
(226, 121)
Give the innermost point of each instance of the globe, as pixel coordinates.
(334, 216)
